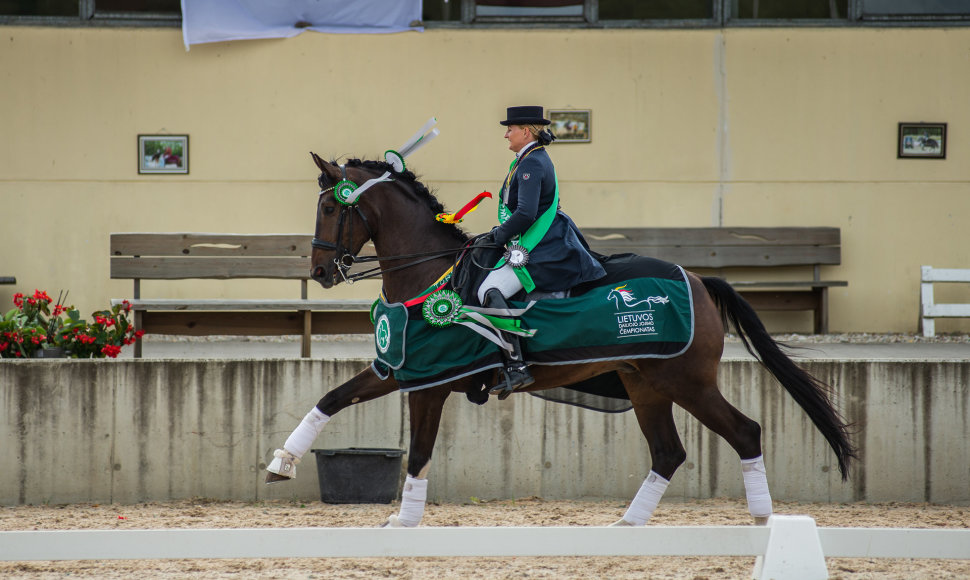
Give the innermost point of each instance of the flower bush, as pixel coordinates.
(34, 325)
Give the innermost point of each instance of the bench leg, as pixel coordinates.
(821, 310)
(307, 336)
(138, 324)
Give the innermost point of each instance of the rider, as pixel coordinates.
(557, 256)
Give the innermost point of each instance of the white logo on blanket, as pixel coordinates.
(382, 333)
(631, 322)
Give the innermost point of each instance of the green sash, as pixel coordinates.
(532, 236)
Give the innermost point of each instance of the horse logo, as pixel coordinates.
(630, 299)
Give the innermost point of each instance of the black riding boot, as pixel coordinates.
(516, 373)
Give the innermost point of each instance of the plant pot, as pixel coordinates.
(358, 475)
(52, 352)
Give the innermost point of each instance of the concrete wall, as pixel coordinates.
(127, 431)
(734, 127)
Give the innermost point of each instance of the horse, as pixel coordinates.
(414, 249)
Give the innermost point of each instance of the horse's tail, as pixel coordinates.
(812, 395)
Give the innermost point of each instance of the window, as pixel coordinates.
(789, 9)
(92, 11)
(655, 10)
(39, 7)
(915, 8)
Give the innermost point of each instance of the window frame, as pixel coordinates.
(88, 15)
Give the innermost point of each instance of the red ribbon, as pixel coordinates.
(471, 205)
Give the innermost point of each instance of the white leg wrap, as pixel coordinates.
(646, 501)
(756, 486)
(412, 501)
(299, 442)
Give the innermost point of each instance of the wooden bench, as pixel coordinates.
(725, 248)
(189, 256)
(929, 309)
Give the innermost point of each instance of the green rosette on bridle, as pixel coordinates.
(532, 236)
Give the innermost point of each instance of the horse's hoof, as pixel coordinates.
(393, 522)
(276, 478)
(621, 523)
(282, 467)
(761, 520)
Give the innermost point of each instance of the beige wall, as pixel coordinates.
(736, 127)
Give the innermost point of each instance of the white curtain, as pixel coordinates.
(221, 20)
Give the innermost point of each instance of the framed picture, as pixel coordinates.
(571, 126)
(163, 154)
(922, 140)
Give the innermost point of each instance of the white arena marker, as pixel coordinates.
(794, 551)
(376, 542)
(953, 544)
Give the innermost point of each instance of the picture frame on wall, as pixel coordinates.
(571, 125)
(163, 154)
(922, 141)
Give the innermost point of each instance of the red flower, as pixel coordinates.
(39, 295)
(58, 310)
(139, 333)
(111, 350)
(126, 305)
(18, 300)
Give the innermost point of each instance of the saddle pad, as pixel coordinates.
(644, 317)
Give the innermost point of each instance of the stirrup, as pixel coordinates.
(514, 378)
(283, 466)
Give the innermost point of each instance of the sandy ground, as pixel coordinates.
(522, 512)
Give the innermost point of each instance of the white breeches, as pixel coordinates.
(503, 279)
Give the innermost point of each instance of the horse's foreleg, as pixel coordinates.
(425, 407)
(365, 386)
(655, 416)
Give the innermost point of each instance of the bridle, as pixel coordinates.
(344, 259)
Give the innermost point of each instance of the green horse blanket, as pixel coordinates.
(641, 309)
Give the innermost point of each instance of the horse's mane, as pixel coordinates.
(419, 189)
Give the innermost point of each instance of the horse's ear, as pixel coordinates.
(320, 162)
(328, 169)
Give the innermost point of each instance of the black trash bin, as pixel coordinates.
(357, 475)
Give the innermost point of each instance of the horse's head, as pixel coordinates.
(373, 200)
(342, 228)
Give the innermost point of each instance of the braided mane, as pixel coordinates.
(418, 188)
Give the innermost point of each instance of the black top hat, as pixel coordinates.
(524, 116)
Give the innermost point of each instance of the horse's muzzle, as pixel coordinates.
(321, 276)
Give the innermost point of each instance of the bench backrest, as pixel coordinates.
(175, 256)
(724, 247)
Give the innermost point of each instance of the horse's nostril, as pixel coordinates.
(318, 272)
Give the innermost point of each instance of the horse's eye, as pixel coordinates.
(328, 210)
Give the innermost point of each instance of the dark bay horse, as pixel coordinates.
(398, 216)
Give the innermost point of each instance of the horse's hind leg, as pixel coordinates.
(364, 386)
(743, 434)
(655, 416)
